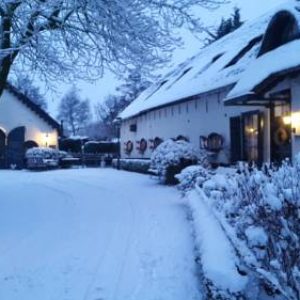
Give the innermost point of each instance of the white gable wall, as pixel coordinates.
(13, 113)
(192, 119)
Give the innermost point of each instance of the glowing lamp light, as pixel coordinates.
(287, 120)
(293, 120)
(251, 130)
(46, 139)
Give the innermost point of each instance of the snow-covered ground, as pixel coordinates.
(93, 234)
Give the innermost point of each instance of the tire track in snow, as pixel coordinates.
(127, 246)
(94, 292)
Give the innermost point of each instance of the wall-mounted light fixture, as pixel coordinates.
(287, 120)
(293, 119)
(46, 139)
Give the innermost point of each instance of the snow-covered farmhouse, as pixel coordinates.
(23, 124)
(239, 98)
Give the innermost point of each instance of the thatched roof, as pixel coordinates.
(225, 62)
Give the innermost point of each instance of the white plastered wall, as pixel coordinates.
(192, 119)
(13, 113)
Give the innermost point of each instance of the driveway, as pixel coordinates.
(93, 234)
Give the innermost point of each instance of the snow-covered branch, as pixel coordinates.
(79, 38)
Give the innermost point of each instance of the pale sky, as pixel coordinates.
(97, 92)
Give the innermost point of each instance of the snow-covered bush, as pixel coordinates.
(133, 165)
(46, 153)
(171, 157)
(191, 176)
(260, 211)
(42, 157)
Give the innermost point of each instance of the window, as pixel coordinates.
(282, 29)
(251, 140)
(159, 86)
(214, 59)
(244, 51)
(181, 75)
(133, 128)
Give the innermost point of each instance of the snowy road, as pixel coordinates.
(93, 234)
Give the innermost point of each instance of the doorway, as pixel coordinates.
(281, 132)
(15, 148)
(253, 137)
(246, 133)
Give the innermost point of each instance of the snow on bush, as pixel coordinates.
(218, 261)
(259, 211)
(41, 158)
(191, 176)
(45, 153)
(133, 165)
(170, 157)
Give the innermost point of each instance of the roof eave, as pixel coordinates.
(256, 96)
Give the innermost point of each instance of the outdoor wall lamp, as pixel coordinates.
(293, 119)
(287, 120)
(46, 139)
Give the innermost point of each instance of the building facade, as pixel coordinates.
(239, 98)
(23, 125)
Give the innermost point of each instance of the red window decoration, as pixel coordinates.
(128, 147)
(142, 145)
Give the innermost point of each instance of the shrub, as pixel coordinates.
(190, 176)
(133, 165)
(41, 158)
(46, 153)
(71, 145)
(171, 157)
(94, 147)
(260, 212)
(91, 147)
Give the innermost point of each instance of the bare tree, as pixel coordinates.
(78, 38)
(108, 110)
(74, 112)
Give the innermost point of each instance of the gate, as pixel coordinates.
(15, 148)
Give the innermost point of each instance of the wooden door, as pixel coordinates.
(281, 134)
(253, 137)
(15, 148)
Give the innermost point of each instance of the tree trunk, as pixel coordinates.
(5, 65)
(6, 59)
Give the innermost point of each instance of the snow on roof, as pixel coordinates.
(221, 64)
(265, 66)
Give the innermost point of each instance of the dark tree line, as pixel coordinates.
(109, 109)
(226, 26)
